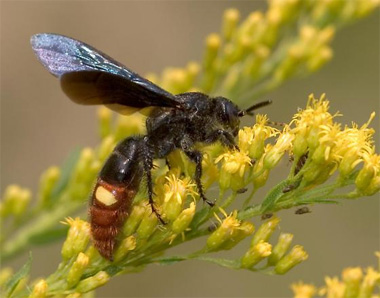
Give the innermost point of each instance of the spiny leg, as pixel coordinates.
(148, 166)
(224, 137)
(196, 156)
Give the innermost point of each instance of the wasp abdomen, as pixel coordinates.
(113, 195)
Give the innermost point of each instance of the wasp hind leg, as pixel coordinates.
(148, 166)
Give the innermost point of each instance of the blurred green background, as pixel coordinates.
(40, 126)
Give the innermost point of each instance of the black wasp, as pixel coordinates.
(90, 77)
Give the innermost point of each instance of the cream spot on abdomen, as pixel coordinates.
(104, 196)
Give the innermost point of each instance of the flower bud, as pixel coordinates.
(39, 290)
(47, 183)
(86, 158)
(134, 219)
(334, 287)
(352, 278)
(148, 225)
(265, 230)
(128, 125)
(275, 153)
(83, 174)
(294, 257)
(193, 69)
(77, 269)
(15, 200)
(373, 187)
(280, 249)
(93, 255)
(93, 282)
(246, 228)
(175, 80)
(224, 180)
(312, 172)
(299, 143)
(5, 274)
(261, 180)
(184, 219)
(363, 8)
(302, 290)
(74, 295)
(349, 161)
(230, 20)
(210, 170)
(320, 58)
(77, 238)
(364, 178)
(175, 192)
(23, 200)
(233, 169)
(371, 279)
(105, 118)
(227, 229)
(105, 148)
(256, 253)
(213, 43)
(128, 244)
(313, 138)
(253, 66)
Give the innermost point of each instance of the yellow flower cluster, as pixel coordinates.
(318, 145)
(353, 283)
(256, 48)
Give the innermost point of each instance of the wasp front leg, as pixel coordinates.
(225, 137)
(196, 157)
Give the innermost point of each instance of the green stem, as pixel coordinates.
(20, 242)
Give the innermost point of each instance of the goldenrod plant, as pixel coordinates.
(354, 282)
(251, 57)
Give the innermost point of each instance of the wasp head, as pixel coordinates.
(228, 114)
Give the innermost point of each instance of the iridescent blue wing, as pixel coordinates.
(91, 77)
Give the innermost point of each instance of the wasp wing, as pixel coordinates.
(91, 77)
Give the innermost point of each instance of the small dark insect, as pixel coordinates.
(90, 77)
(302, 210)
(212, 227)
(266, 216)
(242, 190)
(288, 188)
(301, 162)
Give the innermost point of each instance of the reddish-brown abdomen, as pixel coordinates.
(109, 209)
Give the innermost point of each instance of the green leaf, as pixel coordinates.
(49, 236)
(170, 260)
(231, 264)
(317, 200)
(200, 217)
(273, 196)
(11, 285)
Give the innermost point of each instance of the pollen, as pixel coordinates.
(315, 114)
(235, 162)
(104, 196)
(178, 188)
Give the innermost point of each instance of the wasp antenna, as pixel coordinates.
(257, 106)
